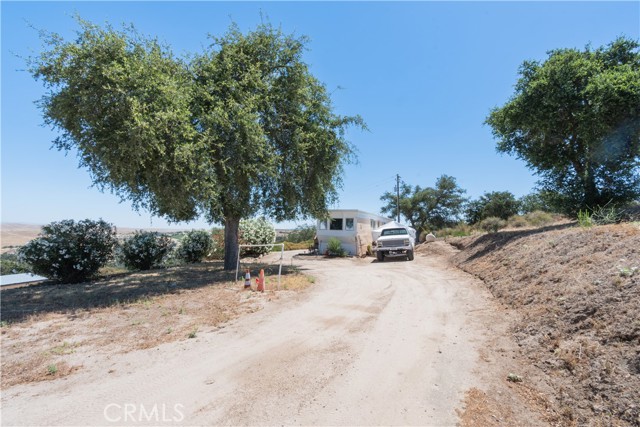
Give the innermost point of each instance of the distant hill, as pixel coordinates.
(15, 234)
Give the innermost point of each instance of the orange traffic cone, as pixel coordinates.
(247, 279)
(260, 281)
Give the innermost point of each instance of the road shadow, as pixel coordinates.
(18, 304)
(388, 260)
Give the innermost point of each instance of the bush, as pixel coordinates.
(538, 218)
(501, 204)
(584, 218)
(144, 250)
(492, 224)
(334, 247)
(302, 233)
(459, 230)
(603, 215)
(293, 246)
(517, 221)
(195, 246)
(217, 244)
(256, 231)
(10, 264)
(70, 252)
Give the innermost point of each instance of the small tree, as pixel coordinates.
(427, 208)
(500, 204)
(145, 250)
(69, 251)
(195, 246)
(256, 231)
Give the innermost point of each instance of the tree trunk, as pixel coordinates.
(591, 193)
(231, 237)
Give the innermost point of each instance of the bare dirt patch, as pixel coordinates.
(49, 330)
(576, 292)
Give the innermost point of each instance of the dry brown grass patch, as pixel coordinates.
(59, 325)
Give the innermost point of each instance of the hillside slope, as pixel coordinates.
(578, 295)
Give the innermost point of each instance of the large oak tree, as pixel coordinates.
(575, 120)
(241, 128)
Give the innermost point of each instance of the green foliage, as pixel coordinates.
(302, 233)
(538, 218)
(294, 246)
(427, 208)
(538, 201)
(70, 251)
(584, 218)
(257, 231)
(608, 214)
(145, 250)
(492, 224)
(517, 221)
(334, 247)
(240, 128)
(11, 264)
(195, 246)
(460, 230)
(217, 244)
(575, 120)
(500, 204)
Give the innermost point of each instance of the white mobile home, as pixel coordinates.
(352, 227)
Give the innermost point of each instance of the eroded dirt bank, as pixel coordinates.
(577, 295)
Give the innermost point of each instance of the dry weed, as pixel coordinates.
(45, 326)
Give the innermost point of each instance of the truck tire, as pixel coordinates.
(409, 255)
(380, 256)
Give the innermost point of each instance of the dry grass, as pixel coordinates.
(579, 307)
(48, 330)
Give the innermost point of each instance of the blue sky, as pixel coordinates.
(423, 75)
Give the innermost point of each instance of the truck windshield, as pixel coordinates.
(394, 232)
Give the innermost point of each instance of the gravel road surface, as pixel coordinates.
(392, 343)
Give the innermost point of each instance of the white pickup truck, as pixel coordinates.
(394, 242)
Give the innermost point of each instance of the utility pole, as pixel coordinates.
(398, 196)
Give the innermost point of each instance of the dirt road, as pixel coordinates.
(372, 343)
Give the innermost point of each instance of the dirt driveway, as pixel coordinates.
(394, 343)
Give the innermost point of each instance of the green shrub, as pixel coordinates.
(538, 218)
(517, 221)
(70, 251)
(602, 215)
(584, 218)
(293, 246)
(459, 230)
(334, 247)
(501, 204)
(145, 250)
(531, 219)
(217, 244)
(302, 234)
(10, 264)
(492, 224)
(195, 246)
(257, 231)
